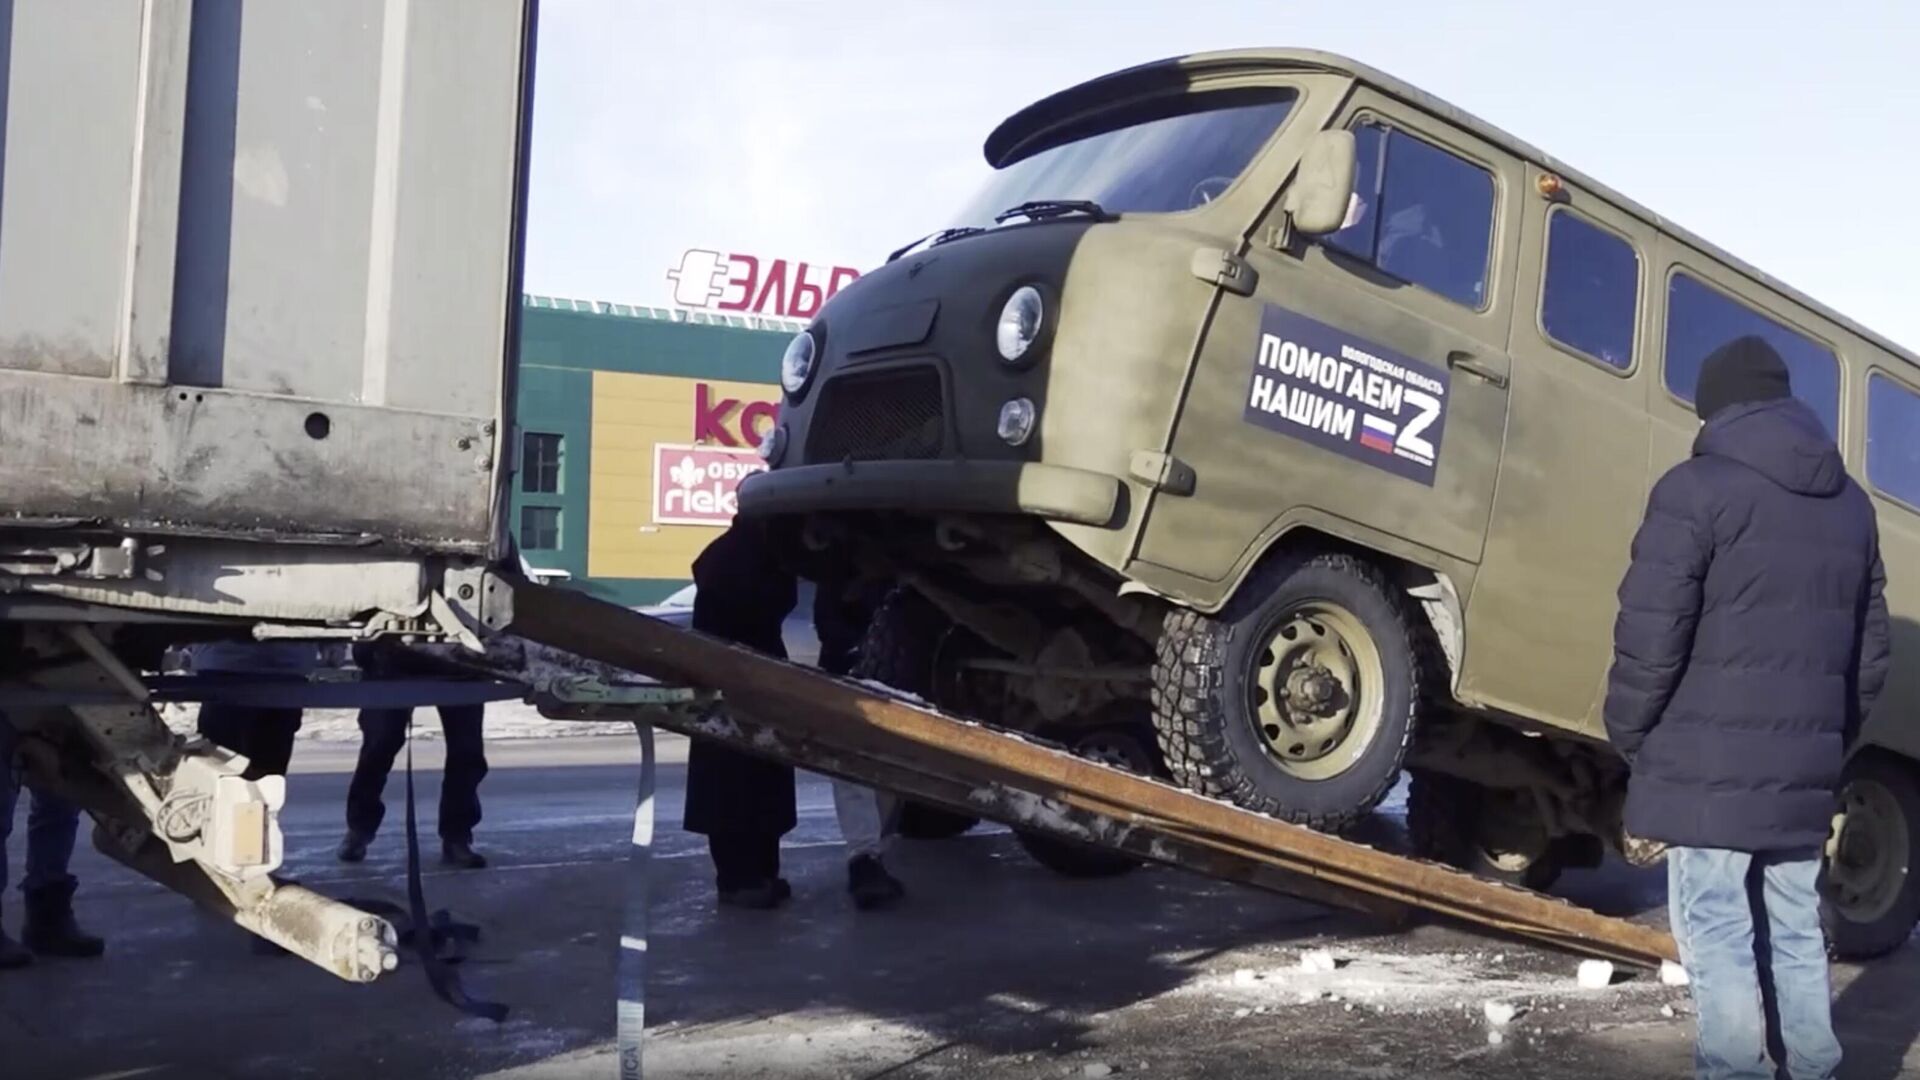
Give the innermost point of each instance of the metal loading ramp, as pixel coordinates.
(867, 734)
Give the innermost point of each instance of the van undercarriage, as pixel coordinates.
(1001, 619)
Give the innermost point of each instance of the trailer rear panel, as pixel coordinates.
(258, 264)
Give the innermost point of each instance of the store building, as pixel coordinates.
(635, 427)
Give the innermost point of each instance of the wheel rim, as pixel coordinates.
(1316, 692)
(1866, 876)
(1508, 835)
(1117, 751)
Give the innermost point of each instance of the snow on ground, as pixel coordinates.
(1402, 981)
(504, 720)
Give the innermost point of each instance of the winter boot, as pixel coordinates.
(872, 887)
(764, 896)
(353, 847)
(460, 855)
(51, 929)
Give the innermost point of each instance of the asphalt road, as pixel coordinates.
(994, 967)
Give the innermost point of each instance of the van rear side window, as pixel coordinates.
(1591, 296)
(1700, 319)
(1420, 214)
(1893, 439)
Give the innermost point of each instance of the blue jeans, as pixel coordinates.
(52, 825)
(1714, 897)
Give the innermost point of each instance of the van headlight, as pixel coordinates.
(796, 367)
(1020, 322)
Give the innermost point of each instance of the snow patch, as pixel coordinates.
(1595, 974)
(1318, 961)
(1672, 974)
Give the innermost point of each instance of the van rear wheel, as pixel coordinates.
(901, 650)
(1298, 700)
(1490, 834)
(1871, 885)
(1123, 748)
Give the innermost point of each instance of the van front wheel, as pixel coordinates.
(1298, 700)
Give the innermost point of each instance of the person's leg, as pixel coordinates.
(263, 736)
(1802, 983)
(270, 744)
(747, 869)
(12, 955)
(382, 733)
(460, 784)
(52, 826)
(1713, 925)
(840, 621)
(863, 824)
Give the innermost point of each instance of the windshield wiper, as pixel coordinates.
(1043, 209)
(938, 238)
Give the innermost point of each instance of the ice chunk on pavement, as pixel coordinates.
(1668, 1012)
(1494, 1038)
(1242, 1014)
(1245, 977)
(1499, 1013)
(1596, 974)
(1097, 1071)
(1317, 961)
(1672, 974)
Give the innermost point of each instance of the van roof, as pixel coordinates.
(1014, 134)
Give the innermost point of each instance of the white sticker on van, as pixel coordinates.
(1344, 394)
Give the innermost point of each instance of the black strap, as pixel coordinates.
(439, 927)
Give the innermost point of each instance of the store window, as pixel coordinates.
(540, 528)
(540, 457)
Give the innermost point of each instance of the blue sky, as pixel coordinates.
(836, 130)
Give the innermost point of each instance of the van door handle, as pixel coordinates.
(1462, 360)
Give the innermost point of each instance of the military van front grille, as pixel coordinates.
(884, 416)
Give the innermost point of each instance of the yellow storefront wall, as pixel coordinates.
(631, 414)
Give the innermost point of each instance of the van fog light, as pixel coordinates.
(1016, 421)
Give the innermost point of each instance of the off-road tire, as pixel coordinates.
(1202, 701)
(1077, 860)
(1442, 812)
(899, 650)
(1851, 940)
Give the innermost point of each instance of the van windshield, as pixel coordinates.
(1163, 164)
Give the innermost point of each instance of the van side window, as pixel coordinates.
(1419, 214)
(1700, 319)
(1893, 439)
(1590, 298)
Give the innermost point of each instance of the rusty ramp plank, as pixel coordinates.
(866, 734)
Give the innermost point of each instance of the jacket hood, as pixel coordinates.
(1782, 441)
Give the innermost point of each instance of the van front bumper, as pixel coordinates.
(1051, 492)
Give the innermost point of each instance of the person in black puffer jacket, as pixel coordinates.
(1751, 643)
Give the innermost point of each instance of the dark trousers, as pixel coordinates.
(383, 732)
(744, 859)
(263, 736)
